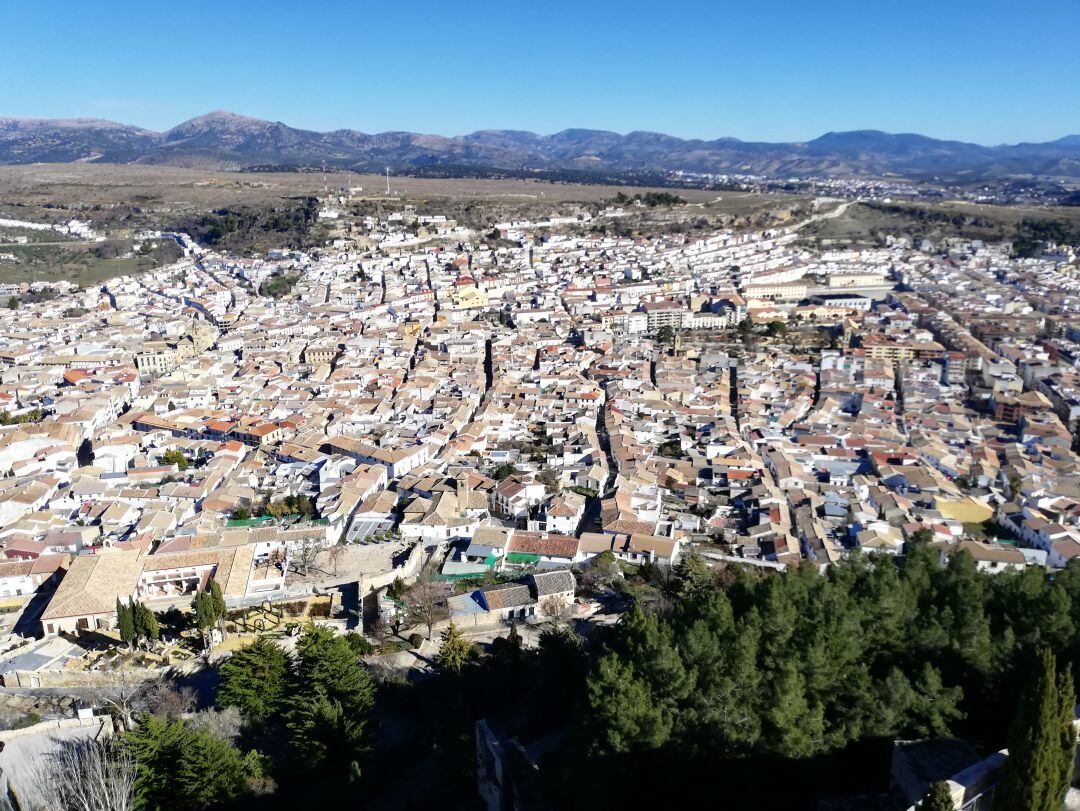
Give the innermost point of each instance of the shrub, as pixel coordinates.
(27, 720)
(416, 640)
(294, 608)
(359, 645)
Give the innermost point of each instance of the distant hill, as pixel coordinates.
(225, 140)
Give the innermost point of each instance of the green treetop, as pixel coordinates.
(125, 622)
(1042, 743)
(254, 679)
(455, 652)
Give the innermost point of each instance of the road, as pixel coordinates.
(828, 215)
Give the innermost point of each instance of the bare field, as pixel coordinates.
(120, 200)
(167, 188)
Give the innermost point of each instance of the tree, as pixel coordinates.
(794, 723)
(424, 603)
(554, 608)
(923, 535)
(1042, 743)
(218, 599)
(776, 329)
(329, 736)
(166, 700)
(82, 775)
(335, 554)
(126, 694)
(562, 664)
(181, 768)
(692, 577)
(13, 303)
(397, 589)
(241, 514)
(455, 652)
(636, 693)
(938, 798)
(125, 622)
(146, 624)
(332, 697)
(504, 471)
(327, 665)
(305, 554)
(227, 723)
(550, 479)
(606, 566)
(627, 719)
(205, 614)
(175, 457)
(255, 680)
(665, 335)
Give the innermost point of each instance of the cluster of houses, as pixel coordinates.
(528, 406)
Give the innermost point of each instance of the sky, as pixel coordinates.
(991, 72)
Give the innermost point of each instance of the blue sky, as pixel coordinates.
(989, 71)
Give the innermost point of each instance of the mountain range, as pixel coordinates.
(226, 140)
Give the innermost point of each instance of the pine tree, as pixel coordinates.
(623, 715)
(693, 578)
(125, 622)
(209, 771)
(254, 680)
(649, 647)
(1066, 741)
(938, 798)
(562, 665)
(1041, 743)
(794, 726)
(455, 652)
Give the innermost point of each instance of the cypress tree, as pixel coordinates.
(125, 622)
(326, 665)
(146, 624)
(331, 699)
(254, 680)
(181, 768)
(1041, 743)
(1066, 759)
(204, 613)
(218, 599)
